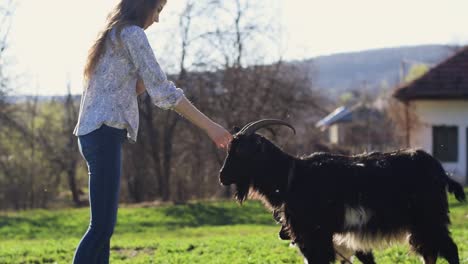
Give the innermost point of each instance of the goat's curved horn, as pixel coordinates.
(252, 127)
(246, 126)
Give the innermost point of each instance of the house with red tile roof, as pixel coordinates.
(439, 102)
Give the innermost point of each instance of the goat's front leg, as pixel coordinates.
(317, 248)
(365, 257)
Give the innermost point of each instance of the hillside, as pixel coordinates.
(350, 71)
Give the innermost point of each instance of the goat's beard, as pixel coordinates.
(242, 191)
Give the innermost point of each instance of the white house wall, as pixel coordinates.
(442, 113)
(334, 134)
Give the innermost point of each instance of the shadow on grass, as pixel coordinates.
(206, 214)
(28, 227)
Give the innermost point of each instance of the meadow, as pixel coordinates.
(199, 232)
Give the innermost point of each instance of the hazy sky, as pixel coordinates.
(50, 38)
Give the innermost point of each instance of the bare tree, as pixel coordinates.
(58, 141)
(6, 12)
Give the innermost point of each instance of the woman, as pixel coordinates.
(121, 64)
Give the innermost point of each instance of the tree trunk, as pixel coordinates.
(172, 121)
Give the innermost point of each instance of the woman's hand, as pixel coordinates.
(140, 87)
(220, 136)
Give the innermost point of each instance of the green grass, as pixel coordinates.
(208, 232)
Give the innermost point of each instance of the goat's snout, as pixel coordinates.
(283, 234)
(223, 179)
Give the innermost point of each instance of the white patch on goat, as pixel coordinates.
(366, 242)
(356, 217)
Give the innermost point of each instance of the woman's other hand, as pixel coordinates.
(140, 87)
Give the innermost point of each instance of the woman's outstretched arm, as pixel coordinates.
(217, 133)
(163, 92)
(220, 136)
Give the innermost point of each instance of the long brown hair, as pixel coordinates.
(127, 12)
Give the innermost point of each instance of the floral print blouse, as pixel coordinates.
(110, 94)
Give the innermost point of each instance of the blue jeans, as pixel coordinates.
(102, 150)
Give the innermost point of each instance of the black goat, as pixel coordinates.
(360, 202)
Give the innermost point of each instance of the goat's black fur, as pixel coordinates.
(402, 192)
(283, 234)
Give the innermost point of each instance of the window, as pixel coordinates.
(445, 143)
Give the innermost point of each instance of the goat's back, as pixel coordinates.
(395, 187)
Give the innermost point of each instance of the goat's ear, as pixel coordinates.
(235, 129)
(258, 141)
(260, 144)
